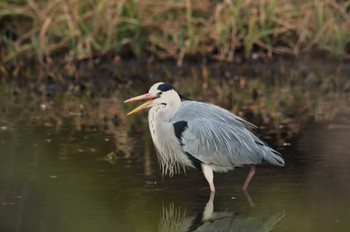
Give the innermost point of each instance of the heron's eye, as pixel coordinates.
(159, 94)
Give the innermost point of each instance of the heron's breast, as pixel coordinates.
(164, 138)
(161, 130)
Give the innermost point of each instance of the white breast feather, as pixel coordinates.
(171, 158)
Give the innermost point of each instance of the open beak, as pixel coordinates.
(147, 104)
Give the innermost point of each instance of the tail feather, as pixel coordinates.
(274, 157)
(269, 154)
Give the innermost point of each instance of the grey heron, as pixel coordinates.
(201, 135)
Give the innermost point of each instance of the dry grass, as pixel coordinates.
(81, 29)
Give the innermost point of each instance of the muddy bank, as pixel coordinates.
(278, 96)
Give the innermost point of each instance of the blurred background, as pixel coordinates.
(76, 30)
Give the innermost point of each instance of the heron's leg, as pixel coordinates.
(249, 199)
(249, 177)
(208, 173)
(209, 208)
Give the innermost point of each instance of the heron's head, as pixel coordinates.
(159, 93)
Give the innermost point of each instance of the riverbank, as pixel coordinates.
(279, 97)
(44, 31)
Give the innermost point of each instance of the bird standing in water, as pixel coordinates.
(201, 135)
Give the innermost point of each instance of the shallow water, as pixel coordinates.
(72, 171)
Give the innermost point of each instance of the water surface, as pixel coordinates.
(74, 162)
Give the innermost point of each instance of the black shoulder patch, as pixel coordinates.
(165, 87)
(179, 128)
(195, 162)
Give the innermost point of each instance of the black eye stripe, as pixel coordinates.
(165, 87)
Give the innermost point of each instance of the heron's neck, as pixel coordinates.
(167, 111)
(171, 108)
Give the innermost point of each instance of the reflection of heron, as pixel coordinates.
(174, 220)
(201, 135)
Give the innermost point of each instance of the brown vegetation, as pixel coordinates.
(76, 30)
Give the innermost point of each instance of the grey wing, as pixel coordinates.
(216, 136)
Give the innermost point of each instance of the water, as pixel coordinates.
(67, 166)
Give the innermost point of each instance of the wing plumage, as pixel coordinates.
(216, 136)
